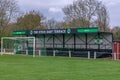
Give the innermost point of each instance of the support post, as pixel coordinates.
(26, 52)
(39, 52)
(1, 46)
(94, 55)
(88, 54)
(115, 57)
(14, 51)
(54, 53)
(34, 47)
(4, 50)
(69, 54)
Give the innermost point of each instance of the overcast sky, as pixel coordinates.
(53, 8)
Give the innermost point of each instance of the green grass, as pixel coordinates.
(57, 68)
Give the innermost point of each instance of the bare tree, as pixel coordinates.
(8, 9)
(103, 19)
(84, 12)
(53, 24)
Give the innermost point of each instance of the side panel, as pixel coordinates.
(49, 41)
(58, 41)
(69, 41)
(107, 41)
(39, 41)
(91, 41)
(80, 41)
(77, 41)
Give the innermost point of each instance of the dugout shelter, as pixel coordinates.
(77, 40)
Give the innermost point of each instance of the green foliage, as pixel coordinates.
(8, 12)
(30, 21)
(57, 68)
(116, 33)
(76, 23)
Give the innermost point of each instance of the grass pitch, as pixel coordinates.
(57, 68)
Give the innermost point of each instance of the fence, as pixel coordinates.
(81, 54)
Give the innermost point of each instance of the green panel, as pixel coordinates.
(18, 48)
(99, 41)
(68, 31)
(87, 30)
(19, 33)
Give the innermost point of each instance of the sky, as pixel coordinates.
(53, 8)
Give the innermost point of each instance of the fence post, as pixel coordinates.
(88, 54)
(69, 54)
(39, 52)
(54, 53)
(94, 55)
(4, 50)
(14, 51)
(26, 52)
(115, 57)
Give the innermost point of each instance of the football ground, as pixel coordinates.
(17, 67)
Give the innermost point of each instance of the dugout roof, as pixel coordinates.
(59, 31)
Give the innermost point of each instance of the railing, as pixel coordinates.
(77, 45)
(82, 54)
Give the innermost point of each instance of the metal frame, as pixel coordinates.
(74, 36)
(15, 38)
